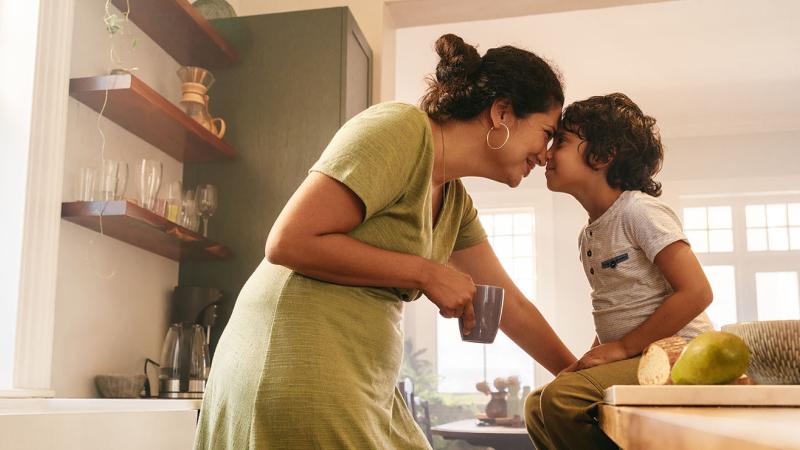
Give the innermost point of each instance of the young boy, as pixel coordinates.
(646, 282)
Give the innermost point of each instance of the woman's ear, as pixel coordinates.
(500, 112)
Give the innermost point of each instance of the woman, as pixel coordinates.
(310, 356)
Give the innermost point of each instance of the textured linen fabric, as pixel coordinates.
(618, 252)
(308, 364)
(563, 415)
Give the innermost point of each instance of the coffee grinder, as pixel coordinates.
(185, 359)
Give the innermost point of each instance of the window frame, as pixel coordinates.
(33, 341)
(534, 256)
(746, 263)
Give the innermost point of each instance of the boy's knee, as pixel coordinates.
(557, 398)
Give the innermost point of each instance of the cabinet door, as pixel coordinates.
(358, 71)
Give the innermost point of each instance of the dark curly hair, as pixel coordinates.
(466, 83)
(616, 129)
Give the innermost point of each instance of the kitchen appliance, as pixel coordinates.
(185, 357)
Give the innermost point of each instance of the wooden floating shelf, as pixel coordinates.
(145, 229)
(179, 29)
(138, 108)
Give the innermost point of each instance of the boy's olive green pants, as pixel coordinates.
(563, 414)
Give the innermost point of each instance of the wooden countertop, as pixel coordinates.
(707, 428)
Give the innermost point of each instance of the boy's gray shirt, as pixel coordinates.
(618, 252)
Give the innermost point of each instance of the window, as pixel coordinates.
(511, 234)
(709, 229)
(723, 283)
(748, 250)
(773, 227)
(776, 296)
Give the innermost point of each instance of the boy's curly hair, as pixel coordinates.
(616, 129)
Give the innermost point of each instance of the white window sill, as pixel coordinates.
(24, 406)
(26, 393)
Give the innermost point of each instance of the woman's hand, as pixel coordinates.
(601, 354)
(452, 292)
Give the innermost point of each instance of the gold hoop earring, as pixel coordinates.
(508, 135)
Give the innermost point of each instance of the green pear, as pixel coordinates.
(713, 357)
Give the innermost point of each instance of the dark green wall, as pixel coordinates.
(282, 103)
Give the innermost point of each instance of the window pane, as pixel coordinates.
(523, 223)
(719, 217)
(794, 213)
(503, 224)
(720, 240)
(487, 221)
(694, 219)
(776, 215)
(523, 246)
(459, 363)
(778, 238)
(794, 238)
(523, 268)
(757, 239)
(723, 283)
(776, 294)
(504, 359)
(503, 246)
(526, 286)
(756, 216)
(508, 265)
(699, 241)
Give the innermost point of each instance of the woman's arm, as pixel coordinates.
(692, 295)
(521, 321)
(310, 237)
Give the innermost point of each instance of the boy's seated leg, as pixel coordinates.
(569, 405)
(533, 421)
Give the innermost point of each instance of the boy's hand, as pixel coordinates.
(601, 354)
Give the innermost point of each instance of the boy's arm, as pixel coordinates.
(692, 294)
(691, 297)
(520, 320)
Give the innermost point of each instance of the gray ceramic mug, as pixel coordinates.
(488, 306)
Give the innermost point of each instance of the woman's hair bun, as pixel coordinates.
(458, 60)
(466, 84)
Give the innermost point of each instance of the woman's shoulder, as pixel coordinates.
(392, 114)
(390, 127)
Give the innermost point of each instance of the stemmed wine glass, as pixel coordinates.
(206, 198)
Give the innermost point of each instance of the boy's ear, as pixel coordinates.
(597, 163)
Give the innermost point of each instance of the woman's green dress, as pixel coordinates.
(308, 364)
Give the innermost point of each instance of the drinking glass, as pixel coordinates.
(206, 199)
(174, 200)
(114, 179)
(189, 212)
(86, 184)
(149, 182)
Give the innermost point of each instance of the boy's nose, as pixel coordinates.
(541, 158)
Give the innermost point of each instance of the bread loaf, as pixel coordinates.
(657, 360)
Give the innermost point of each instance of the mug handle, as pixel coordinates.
(221, 128)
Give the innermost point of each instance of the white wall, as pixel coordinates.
(373, 19)
(725, 131)
(111, 299)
